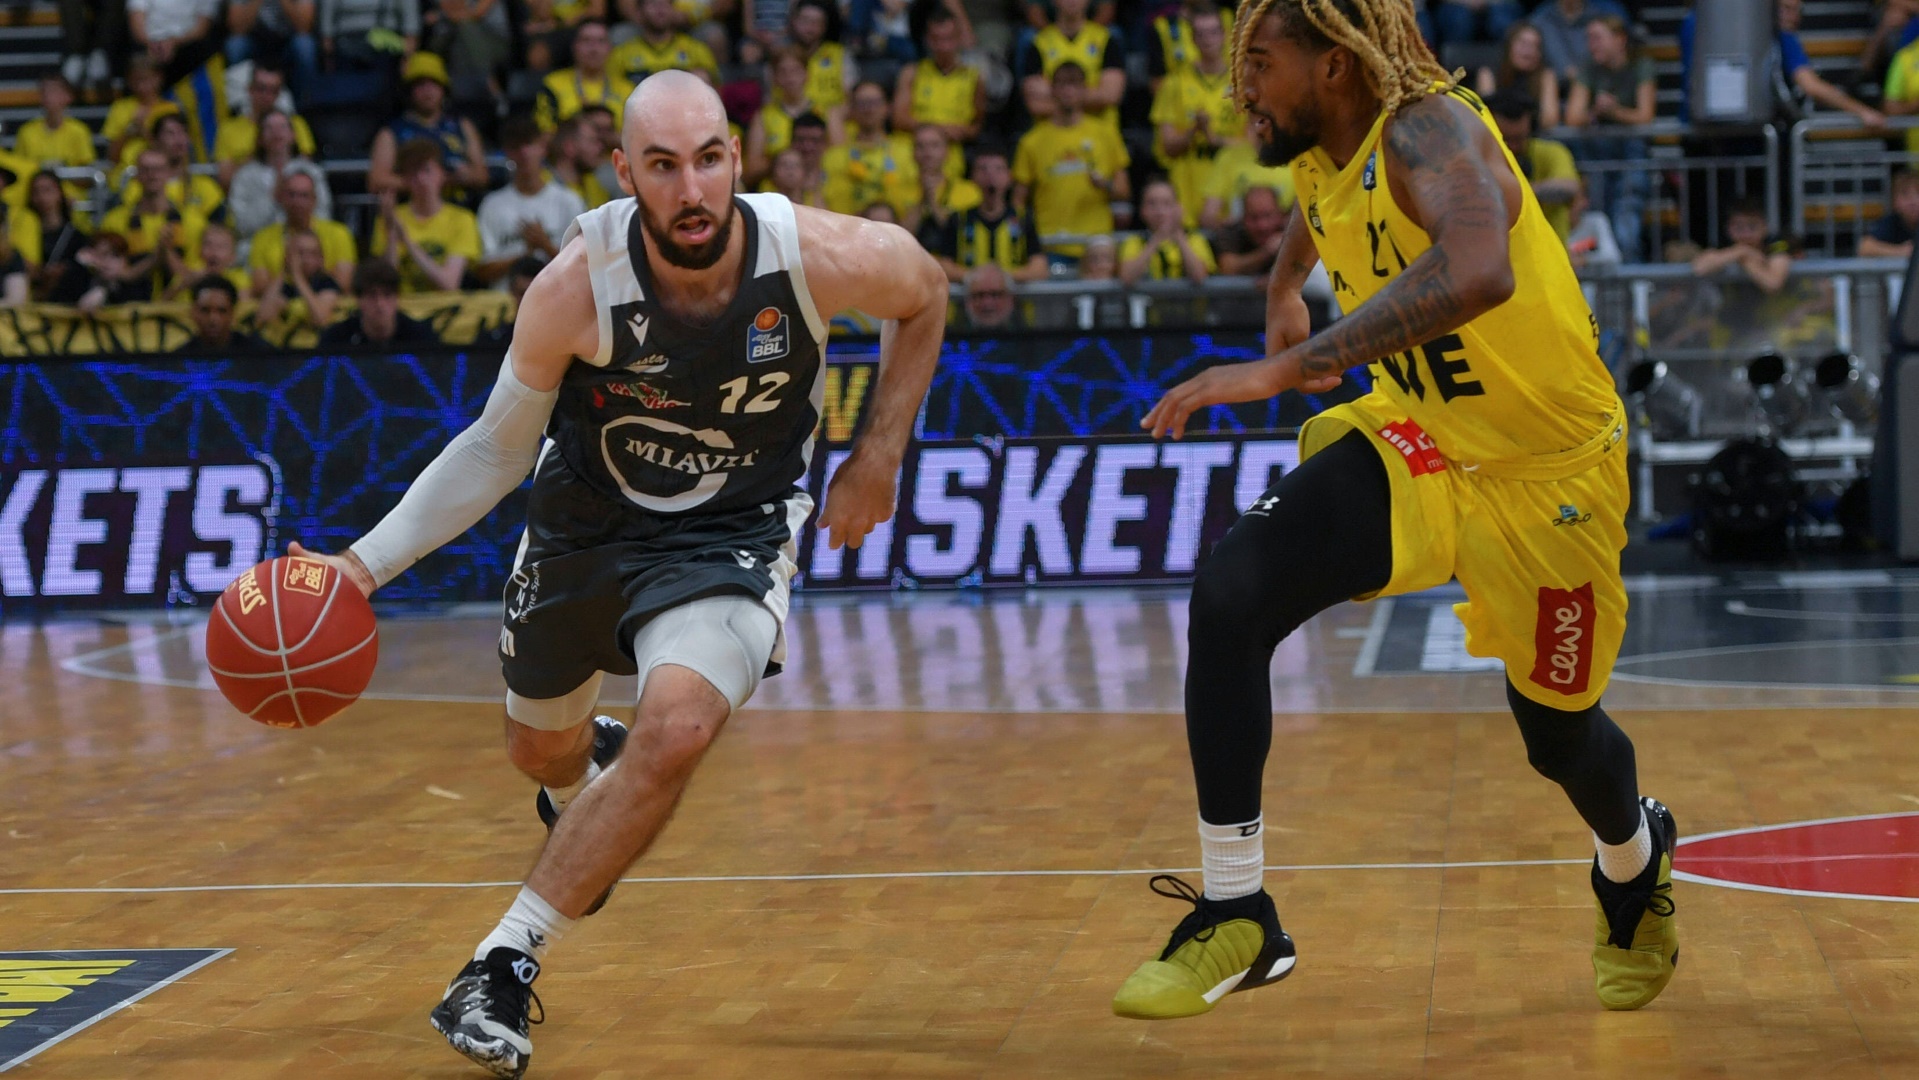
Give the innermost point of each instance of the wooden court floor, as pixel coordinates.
(895, 887)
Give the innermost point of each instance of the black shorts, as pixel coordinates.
(593, 571)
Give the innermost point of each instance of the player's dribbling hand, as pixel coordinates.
(1226, 384)
(860, 497)
(349, 566)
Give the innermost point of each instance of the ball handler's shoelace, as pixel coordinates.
(1178, 889)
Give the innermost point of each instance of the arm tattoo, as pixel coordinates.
(1432, 152)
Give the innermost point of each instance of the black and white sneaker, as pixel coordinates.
(609, 738)
(487, 1009)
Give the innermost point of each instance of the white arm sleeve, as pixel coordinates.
(469, 478)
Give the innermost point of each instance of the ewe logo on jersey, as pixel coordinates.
(767, 338)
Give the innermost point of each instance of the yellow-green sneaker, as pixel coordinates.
(1636, 943)
(1221, 947)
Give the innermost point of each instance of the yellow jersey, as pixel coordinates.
(201, 194)
(941, 97)
(1902, 85)
(1087, 48)
(565, 93)
(590, 190)
(1174, 36)
(1515, 384)
(269, 252)
(452, 230)
(778, 124)
(826, 75)
(858, 175)
(1237, 170)
(638, 58)
(69, 144)
(142, 233)
(1168, 261)
(239, 135)
(1182, 99)
(1056, 163)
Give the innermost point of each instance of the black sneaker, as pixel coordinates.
(609, 737)
(1223, 947)
(1635, 939)
(486, 1011)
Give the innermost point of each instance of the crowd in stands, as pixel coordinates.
(1018, 139)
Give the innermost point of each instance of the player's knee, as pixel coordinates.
(1227, 610)
(1557, 742)
(679, 716)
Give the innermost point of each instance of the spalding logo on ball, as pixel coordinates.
(291, 642)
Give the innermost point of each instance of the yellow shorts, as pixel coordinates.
(1539, 560)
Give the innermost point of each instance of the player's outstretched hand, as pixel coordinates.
(348, 565)
(860, 497)
(1225, 384)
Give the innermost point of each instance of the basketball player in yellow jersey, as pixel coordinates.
(1490, 450)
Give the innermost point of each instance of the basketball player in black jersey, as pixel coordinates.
(671, 356)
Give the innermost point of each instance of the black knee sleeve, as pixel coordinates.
(1586, 754)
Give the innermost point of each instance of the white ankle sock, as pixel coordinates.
(1232, 858)
(1623, 862)
(530, 925)
(563, 795)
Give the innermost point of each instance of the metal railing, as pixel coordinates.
(1645, 176)
(1841, 177)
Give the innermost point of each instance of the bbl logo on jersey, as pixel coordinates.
(767, 338)
(1370, 178)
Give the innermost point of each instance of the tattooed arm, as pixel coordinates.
(1448, 175)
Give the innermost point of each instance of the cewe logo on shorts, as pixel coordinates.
(1421, 453)
(767, 338)
(1562, 640)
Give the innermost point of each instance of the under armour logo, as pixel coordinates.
(526, 971)
(1263, 505)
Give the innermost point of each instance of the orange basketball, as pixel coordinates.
(767, 319)
(291, 642)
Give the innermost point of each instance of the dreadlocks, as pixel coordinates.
(1384, 34)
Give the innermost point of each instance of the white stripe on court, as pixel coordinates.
(903, 875)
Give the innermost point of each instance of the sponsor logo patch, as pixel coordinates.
(1370, 178)
(1312, 215)
(646, 394)
(1562, 640)
(1570, 515)
(47, 996)
(767, 339)
(303, 575)
(1421, 453)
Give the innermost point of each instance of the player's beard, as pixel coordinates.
(689, 258)
(1278, 146)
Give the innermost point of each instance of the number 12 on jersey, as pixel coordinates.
(769, 383)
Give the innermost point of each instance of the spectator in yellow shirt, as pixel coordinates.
(1902, 90)
(219, 256)
(574, 158)
(548, 29)
(1548, 165)
(128, 118)
(429, 240)
(1073, 38)
(830, 72)
(772, 128)
(1194, 115)
(790, 178)
(874, 167)
(153, 226)
(53, 138)
(238, 134)
(588, 82)
(1071, 167)
(660, 46)
(299, 199)
(1170, 250)
(187, 190)
(940, 196)
(942, 88)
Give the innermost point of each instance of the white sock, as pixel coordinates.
(530, 925)
(1233, 858)
(1623, 862)
(560, 796)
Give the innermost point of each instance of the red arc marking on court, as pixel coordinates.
(1868, 858)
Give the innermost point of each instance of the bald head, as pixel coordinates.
(670, 108)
